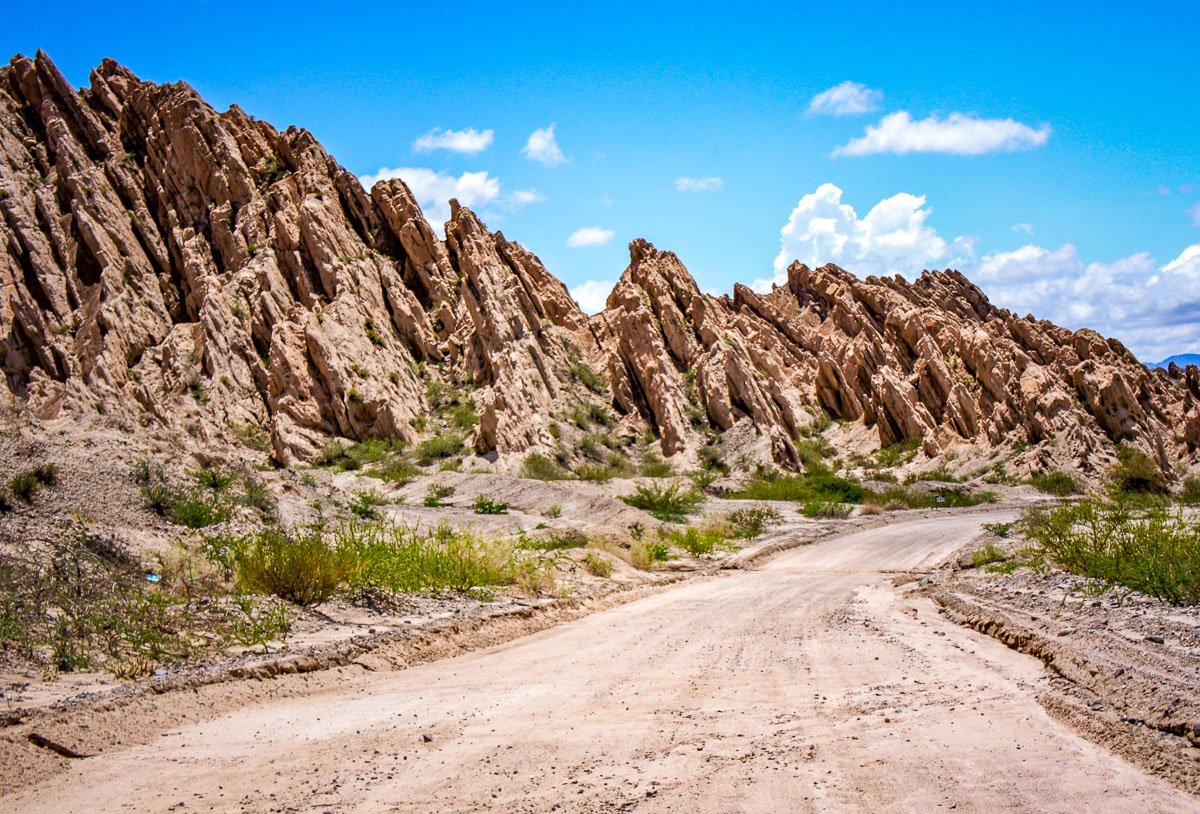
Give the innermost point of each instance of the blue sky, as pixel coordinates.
(1050, 150)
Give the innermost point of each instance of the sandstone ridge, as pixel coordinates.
(165, 265)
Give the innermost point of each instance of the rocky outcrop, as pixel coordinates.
(163, 263)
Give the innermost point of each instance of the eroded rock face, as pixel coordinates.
(165, 263)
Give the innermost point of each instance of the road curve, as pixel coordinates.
(811, 684)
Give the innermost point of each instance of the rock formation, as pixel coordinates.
(161, 262)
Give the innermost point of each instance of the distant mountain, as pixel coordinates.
(1182, 359)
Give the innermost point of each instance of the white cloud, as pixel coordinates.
(589, 236)
(433, 190)
(1023, 227)
(592, 295)
(846, 99)
(891, 239)
(1153, 309)
(543, 147)
(468, 142)
(710, 184)
(527, 196)
(958, 133)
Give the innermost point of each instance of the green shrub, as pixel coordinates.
(1149, 548)
(593, 472)
(303, 569)
(1189, 495)
(538, 467)
(213, 478)
(557, 541)
(899, 497)
(436, 493)
(941, 474)
(824, 508)
(1135, 474)
(752, 521)
(653, 465)
(769, 485)
(463, 416)
(399, 472)
(24, 485)
(643, 554)
(485, 505)
(998, 529)
(898, 453)
(668, 502)
(437, 448)
(363, 503)
(597, 565)
(555, 510)
(698, 542)
(195, 509)
(257, 495)
(1054, 482)
(587, 377)
(46, 474)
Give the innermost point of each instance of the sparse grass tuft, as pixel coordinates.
(485, 505)
(597, 565)
(1054, 482)
(752, 521)
(538, 467)
(770, 485)
(436, 493)
(824, 508)
(987, 555)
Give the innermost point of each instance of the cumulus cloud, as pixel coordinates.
(846, 99)
(958, 133)
(1154, 309)
(710, 184)
(522, 197)
(592, 295)
(892, 238)
(543, 147)
(589, 236)
(1023, 227)
(433, 190)
(468, 142)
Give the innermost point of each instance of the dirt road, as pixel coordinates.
(811, 684)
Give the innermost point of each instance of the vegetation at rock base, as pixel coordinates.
(669, 502)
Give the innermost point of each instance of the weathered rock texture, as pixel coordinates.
(163, 262)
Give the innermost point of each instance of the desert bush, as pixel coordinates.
(538, 467)
(196, 509)
(898, 453)
(24, 485)
(1054, 482)
(88, 606)
(363, 503)
(824, 508)
(669, 502)
(941, 474)
(1147, 548)
(303, 569)
(436, 493)
(1135, 474)
(555, 510)
(900, 497)
(654, 466)
(698, 542)
(597, 565)
(769, 485)
(594, 472)
(213, 478)
(999, 529)
(438, 447)
(46, 474)
(643, 555)
(587, 377)
(1189, 494)
(752, 521)
(397, 471)
(560, 540)
(257, 495)
(485, 505)
(871, 509)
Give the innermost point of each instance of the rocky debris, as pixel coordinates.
(165, 264)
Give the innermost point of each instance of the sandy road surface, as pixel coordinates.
(811, 684)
